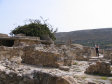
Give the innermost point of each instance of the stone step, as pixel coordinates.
(96, 58)
(93, 60)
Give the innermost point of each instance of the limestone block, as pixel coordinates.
(3, 35)
(99, 68)
(65, 68)
(40, 57)
(66, 80)
(107, 54)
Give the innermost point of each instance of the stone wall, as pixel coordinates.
(31, 55)
(11, 53)
(76, 52)
(18, 40)
(3, 35)
(34, 56)
(46, 55)
(93, 52)
(107, 54)
(67, 54)
(40, 55)
(24, 42)
(82, 54)
(111, 58)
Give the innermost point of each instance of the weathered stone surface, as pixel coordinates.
(35, 77)
(66, 53)
(3, 35)
(65, 68)
(93, 52)
(111, 58)
(65, 80)
(82, 54)
(91, 83)
(107, 54)
(76, 52)
(25, 42)
(20, 40)
(49, 55)
(12, 54)
(40, 57)
(99, 68)
(47, 38)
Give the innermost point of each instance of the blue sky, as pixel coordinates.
(66, 15)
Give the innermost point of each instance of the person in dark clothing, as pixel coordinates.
(97, 50)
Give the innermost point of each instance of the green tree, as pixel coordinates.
(35, 28)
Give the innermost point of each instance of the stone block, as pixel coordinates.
(99, 68)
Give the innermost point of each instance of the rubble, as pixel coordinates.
(111, 58)
(99, 68)
(34, 78)
(65, 68)
(29, 60)
(107, 54)
(41, 57)
(25, 74)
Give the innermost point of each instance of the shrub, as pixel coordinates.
(35, 28)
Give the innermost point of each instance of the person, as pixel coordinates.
(97, 50)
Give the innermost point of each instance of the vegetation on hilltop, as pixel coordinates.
(35, 28)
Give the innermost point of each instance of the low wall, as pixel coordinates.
(3, 35)
(33, 55)
(30, 56)
(76, 52)
(11, 54)
(41, 57)
(24, 42)
(83, 54)
(107, 54)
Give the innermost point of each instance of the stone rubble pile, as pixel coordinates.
(45, 55)
(79, 52)
(23, 62)
(41, 57)
(37, 78)
(30, 74)
(25, 74)
(99, 68)
(111, 58)
(107, 54)
(11, 53)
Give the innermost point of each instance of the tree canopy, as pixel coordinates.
(35, 28)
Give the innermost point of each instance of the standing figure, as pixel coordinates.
(97, 50)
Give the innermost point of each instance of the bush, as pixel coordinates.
(35, 28)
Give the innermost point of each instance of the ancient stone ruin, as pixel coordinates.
(30, 50)
(31, 60)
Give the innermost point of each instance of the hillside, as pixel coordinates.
(102, 37)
